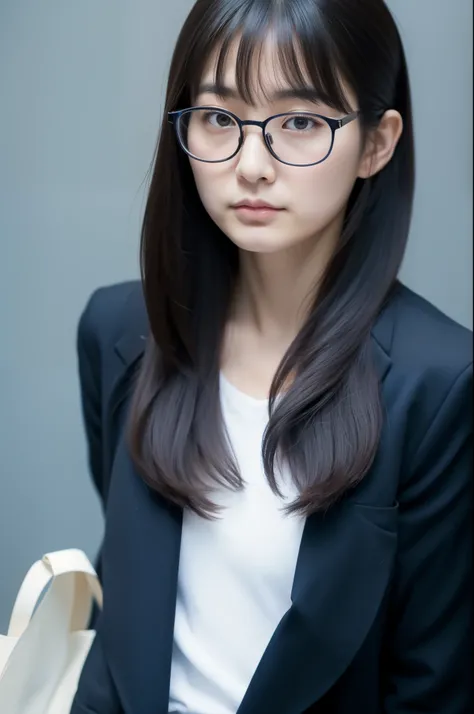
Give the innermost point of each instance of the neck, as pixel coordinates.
(275, 291)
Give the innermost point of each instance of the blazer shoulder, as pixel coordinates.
(429, 388)
(110, 312)
(426, 340)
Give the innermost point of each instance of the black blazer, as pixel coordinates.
(381, 615)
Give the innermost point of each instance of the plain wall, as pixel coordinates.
(81, 90)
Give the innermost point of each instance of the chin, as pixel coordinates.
(266, 242)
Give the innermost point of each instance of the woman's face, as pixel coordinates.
(311, 200)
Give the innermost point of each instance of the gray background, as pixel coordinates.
(81, 89)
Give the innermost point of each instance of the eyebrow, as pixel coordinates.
(308, 94)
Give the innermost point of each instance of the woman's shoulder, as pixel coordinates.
(429, 382)
(110, 332)
(113, 312)
(424, 339)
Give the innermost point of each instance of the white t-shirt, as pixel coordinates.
(235, 574)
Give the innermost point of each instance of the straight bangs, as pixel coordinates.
(304, 57)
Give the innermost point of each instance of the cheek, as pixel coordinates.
(322, 191)
(208, 178)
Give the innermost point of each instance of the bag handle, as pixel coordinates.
(51, 566)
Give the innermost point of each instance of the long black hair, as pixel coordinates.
(327, 424)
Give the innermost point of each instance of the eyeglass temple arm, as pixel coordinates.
(348, 118)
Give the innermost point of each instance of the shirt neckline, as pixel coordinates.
(242, 397)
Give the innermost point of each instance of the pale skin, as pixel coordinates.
(281, 259)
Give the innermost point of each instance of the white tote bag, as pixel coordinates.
(42, 655)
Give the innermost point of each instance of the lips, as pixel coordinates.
(256, 213)
(257, 205)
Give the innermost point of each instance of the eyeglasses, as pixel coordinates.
(296, 138)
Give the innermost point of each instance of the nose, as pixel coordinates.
(254, 161)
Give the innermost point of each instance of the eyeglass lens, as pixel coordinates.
(212, 135)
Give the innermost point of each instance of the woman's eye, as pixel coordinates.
(301, 123)
(219, 120)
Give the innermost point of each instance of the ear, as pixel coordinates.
(381, 144)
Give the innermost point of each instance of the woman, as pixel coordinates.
(280, 431)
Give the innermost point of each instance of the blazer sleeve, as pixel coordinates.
(89, 365)
(96, 693)
(430, 659)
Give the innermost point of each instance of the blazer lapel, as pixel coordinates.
(342, 573)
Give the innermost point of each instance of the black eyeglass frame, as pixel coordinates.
(334, 125)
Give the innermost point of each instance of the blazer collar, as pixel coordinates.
(350, 549)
